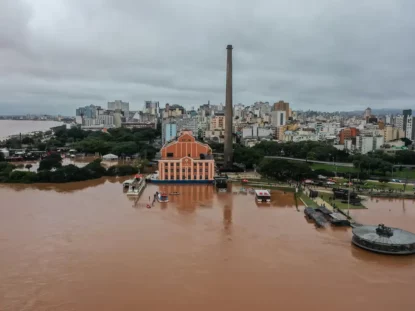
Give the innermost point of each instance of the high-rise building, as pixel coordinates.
(347, 133)
(281, 105)
(187, 124)
(280, 132)
(170, 132)
(407, 123)
(366, 144)
(119, 104)
(368, 113)
(173, 111)
(399, 121)
(152, 107)
(409, 128)
(87, 111)
(413, 128)
(278, 117)
(217, 122)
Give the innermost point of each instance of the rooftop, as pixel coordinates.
(372, 234)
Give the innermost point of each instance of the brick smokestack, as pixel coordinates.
(228, 150)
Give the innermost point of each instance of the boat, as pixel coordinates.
(162, 197)
(127, 183)
(251, 191)
(262, 196)
(243, 190)
(137, 186)
(153, 177)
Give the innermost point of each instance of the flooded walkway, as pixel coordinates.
(87, 246)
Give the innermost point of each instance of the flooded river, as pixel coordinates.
(14, 127)
(87, 246)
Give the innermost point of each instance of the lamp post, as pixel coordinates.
(348, 199)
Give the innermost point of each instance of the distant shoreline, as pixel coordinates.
(15, 132)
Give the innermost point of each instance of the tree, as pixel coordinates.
(28, 166)
(1, 156)
(41, 146)
(128, 148)
(27, 140)
(93, 145)
(55, 143)
(284, 170)
(247, 156)
(50, 162)
(217, 147)
(406, 141)
(94, 169)
(405, 157)
(22, 177)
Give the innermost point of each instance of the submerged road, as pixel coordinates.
(312, 161)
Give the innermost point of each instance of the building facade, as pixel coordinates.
(368, 113)
(347, 133)
(282, 106)
(399, 122)
(152, 107)
(365, 144)
(391, 133)
(408, 129)
(217, 122)
(186, 160)
(278, 118)
(120, 105)
(187, 123)
(87, 111)
(170, 132)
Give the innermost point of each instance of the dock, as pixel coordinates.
(335, 218)
(315, 215)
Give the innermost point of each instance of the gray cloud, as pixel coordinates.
(326, 54)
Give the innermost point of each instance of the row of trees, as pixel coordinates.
(283, 170)
(119, 141)
(376, 162)
(51, 171)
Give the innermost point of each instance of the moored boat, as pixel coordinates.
(137, 186)
(162, 197)
(127, 183)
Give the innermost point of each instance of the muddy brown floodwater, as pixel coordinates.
(86, 246)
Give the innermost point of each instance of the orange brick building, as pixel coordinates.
(348, 133)
(186, 160)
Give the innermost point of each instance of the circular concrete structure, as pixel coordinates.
(385, 240)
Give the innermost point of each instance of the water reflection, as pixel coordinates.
(227, 218)
(381, 259)
(90, 250)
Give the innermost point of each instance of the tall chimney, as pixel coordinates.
(228, 150)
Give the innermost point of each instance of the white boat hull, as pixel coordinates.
(162, 200)
(137, 191)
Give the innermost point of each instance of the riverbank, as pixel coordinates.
(51, 171)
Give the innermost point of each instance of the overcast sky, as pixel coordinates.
(56, 55)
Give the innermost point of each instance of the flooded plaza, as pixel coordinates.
(87, 246)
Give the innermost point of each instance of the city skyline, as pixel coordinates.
(325, 56)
